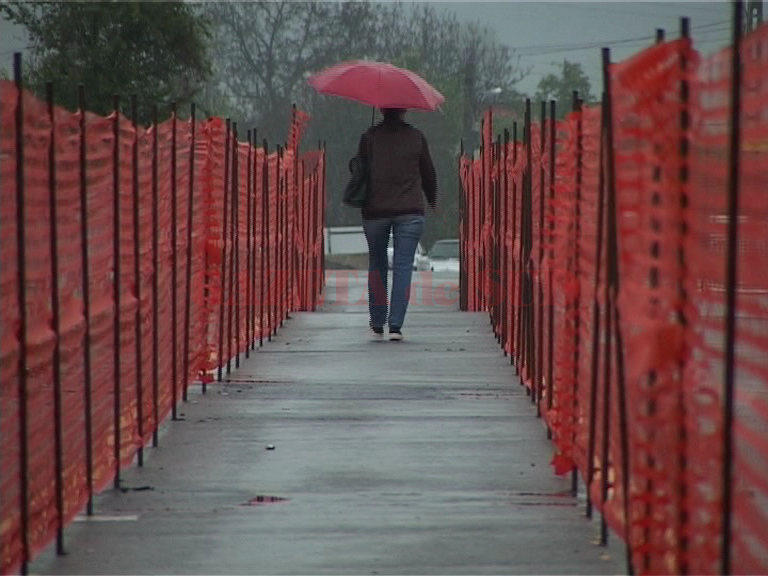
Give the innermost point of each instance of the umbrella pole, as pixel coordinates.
(373, 114)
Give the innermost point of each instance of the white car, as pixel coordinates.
(421, 261)
(444, 256)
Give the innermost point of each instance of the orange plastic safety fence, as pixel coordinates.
(561, 275)
(613, 298)
(750, 471)
(190, 299)
(651, 190)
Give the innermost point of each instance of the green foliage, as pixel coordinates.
(156, 50)
(560, 88)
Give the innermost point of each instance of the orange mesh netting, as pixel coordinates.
(614, 298)
(228, 278)
(750, 472)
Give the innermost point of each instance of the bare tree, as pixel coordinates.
(263, 52)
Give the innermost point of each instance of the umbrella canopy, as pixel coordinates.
(377, 84)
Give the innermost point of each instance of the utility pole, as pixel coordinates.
(754, 15)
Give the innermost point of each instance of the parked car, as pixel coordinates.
(444, 256)
(420, 260)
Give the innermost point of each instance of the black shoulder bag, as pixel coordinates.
(356, 192)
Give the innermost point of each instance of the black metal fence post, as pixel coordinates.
(313, 219)
(550, 280)
(596, 316)
(505, 279)
(190, 224)
(116, 286)
(613, 313)
(576, 273)
(482, 264)
(267, 232)
(539, 373)
(223, 265)
(254, 209)
(278, 321)
(275, 272)
(525, 298)
(522, 271)
(282, 198)
(310, 220)
(285, 267)
(155, 282)
(263, 264)
(471, 215)
(462, 233)
(323, 209)
(685, 124)
(56, 323)
(248, 269)
(21, 286)
(517, 274)
(293, 258)
(174, 266)
(234, 304)
(731, 280)
(272, 253)
(299, 236)
(137, 281)
(497, 278)
(607, 367)
(236, 251)
(207, 284)
(317, 229)
(499, 207)
(279, 239)
(527, 230)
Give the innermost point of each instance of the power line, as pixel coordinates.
(580, 6)
(545, 49)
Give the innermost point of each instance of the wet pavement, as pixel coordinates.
(327, 453)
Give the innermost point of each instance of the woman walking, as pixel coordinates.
(401, 175)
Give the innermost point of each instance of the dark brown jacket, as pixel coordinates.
(401, 171)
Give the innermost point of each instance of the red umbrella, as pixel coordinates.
(377, 84)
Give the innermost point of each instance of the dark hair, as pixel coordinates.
(393, 114)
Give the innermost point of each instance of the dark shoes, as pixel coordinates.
(377, 334)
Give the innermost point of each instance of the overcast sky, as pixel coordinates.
(545, 33)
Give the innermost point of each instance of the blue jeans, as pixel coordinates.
(406, 231)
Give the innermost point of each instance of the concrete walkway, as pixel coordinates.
(418, 457)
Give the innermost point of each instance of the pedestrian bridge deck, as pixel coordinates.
(417, 457)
